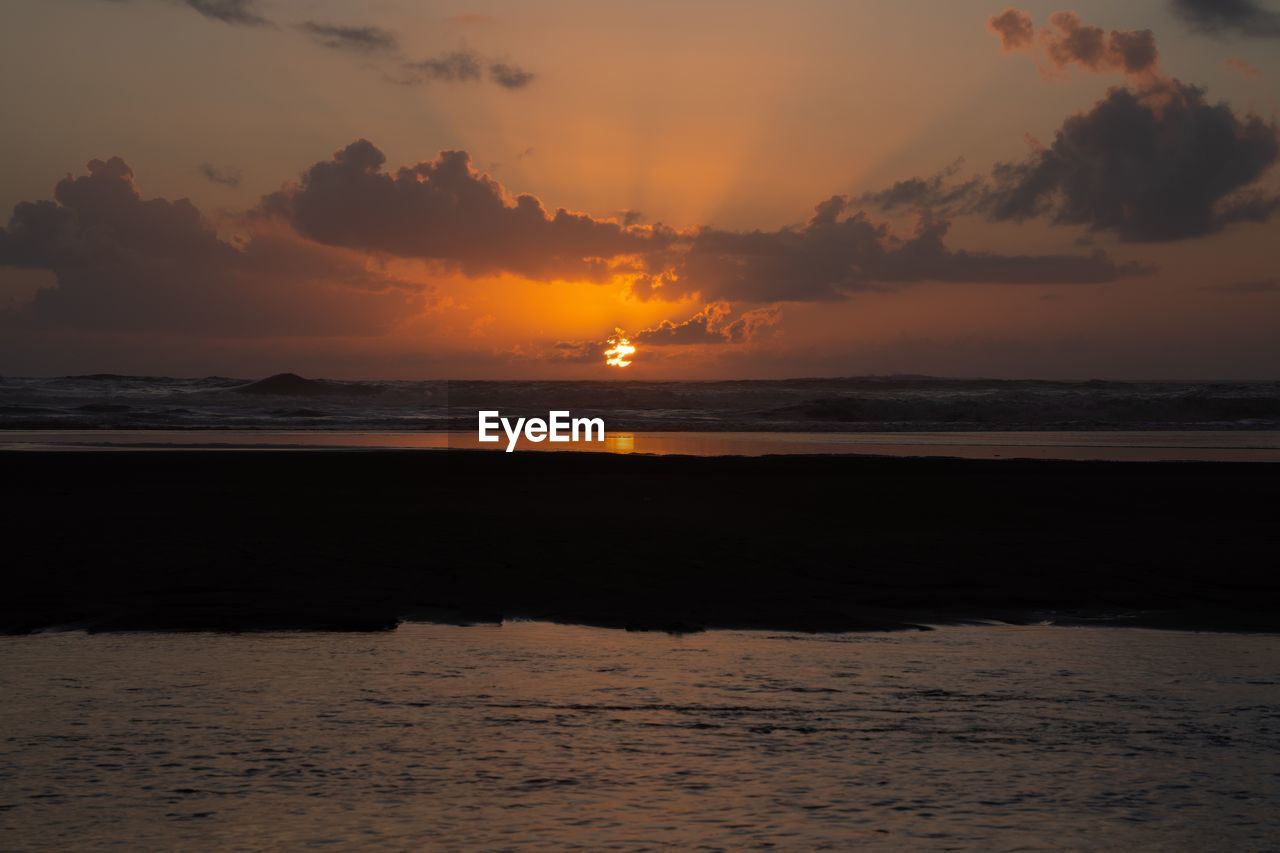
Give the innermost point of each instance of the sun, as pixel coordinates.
(620, 350)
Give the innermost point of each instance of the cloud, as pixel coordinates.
(1265, 285)
(1014, 28)
(712, 325)
(239, 12)
(935, 193)
(123, 262)
(446, 211)
(308, 260)
(1160, 163)
(466, 66)
(236, 12)
(577, 352)
(1242, 67)
(839, 252)
(510, 76)
(1067, 40)
(344, 37)
(220, 175)
(455, 67)
(1234, 17)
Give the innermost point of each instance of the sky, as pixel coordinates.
(402, 189)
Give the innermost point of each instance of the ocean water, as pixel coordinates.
(868, 404)
(461, 738)
(897, 416)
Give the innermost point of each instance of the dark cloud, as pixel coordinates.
(344, 37)
(243, 13)
(839, 252)
(578, 352)
(1014, 28)
(1067, 40)
(126, 263)
(925, 257)
(1236, 17)
(936, 193)
(240, 12)
(1160, 163)
(445, 210)
(712, 325)
(509, 76)
(1265, 285)
(220, 175)
(458, 66)
(466, 66)
(751, 323)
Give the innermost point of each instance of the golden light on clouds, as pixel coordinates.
(620, 351)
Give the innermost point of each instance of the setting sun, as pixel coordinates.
(620, 351)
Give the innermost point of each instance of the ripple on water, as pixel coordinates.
(981, 736)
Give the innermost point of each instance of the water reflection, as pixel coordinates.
(550, 735)
(619, 442)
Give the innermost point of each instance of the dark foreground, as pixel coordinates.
(361, 540)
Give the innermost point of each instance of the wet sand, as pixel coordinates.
(336, 540)
(1092, 445)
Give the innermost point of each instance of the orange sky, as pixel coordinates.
(690, 145)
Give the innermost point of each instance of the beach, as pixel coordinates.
(363, 540)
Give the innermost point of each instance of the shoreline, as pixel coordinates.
(1129, 445)
(316, 540)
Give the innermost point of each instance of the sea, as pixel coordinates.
(900, 415)
(541, 736)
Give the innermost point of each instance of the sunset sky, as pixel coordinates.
(399, 189)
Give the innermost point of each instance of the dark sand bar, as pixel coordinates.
(331, 540)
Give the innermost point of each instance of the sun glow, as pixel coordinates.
(620, 351)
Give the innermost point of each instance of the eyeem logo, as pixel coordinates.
(558, 427)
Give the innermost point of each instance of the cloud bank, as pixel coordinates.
(123, 262)
(839, 251)
(444, 210)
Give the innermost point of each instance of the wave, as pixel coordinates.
(854, 404)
